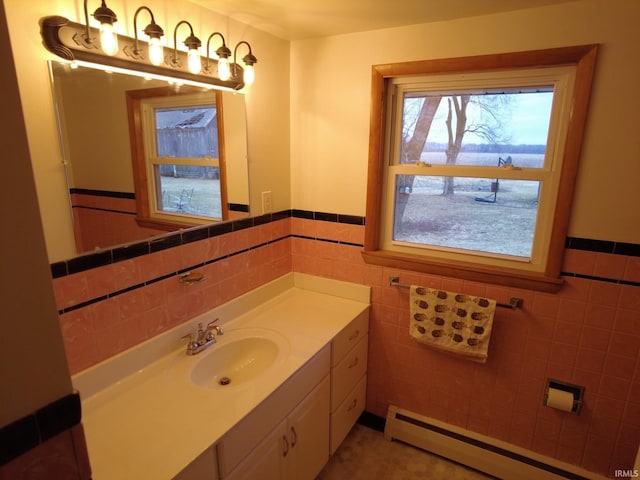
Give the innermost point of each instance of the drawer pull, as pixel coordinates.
(353, 405)
(294, 437)
(354, 363)
(285, 449)
(354, 335)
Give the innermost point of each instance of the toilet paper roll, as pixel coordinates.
(560, 399)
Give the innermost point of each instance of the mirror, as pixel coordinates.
(93, 118)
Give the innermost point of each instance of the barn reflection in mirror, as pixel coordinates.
(191, 187)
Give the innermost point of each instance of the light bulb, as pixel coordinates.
(249, 74)
(156, 55)
(108, 39)
(224, 70)
(193, 61)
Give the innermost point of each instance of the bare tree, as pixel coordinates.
(417, 124)
(489, 128)
(411, 152)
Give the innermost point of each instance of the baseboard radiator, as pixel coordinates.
(488, 455)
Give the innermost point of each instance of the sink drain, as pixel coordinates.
(225, 381)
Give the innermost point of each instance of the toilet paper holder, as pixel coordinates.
(576, 390)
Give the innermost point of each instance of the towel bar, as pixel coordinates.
(513, 302)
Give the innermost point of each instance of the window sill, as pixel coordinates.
(464, 270)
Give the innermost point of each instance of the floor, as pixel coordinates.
(366, 455)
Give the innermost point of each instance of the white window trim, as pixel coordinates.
(561, 78)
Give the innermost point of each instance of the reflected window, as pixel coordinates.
(183, 168)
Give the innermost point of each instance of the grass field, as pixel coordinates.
(474, 218)
(205, 200)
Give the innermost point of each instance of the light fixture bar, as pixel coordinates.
(60, 37)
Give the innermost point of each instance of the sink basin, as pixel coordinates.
(238, 357)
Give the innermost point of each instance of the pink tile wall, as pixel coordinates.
(106, 221)
(105, 328)
(587, 334)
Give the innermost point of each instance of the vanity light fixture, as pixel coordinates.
(193, 43)
(223, 53)
(154, 32)
(78, 42)
(108, 36)
(249, 60)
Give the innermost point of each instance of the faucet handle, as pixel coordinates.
(212, 326)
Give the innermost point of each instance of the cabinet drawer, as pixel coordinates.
(344, 418)
(349, 336)
(346, 374)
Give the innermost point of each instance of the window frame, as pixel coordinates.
(142, 153)
(582, 59)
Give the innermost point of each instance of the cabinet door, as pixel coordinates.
(308, 433)
(267, 461)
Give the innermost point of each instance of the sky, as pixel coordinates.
(525, 120)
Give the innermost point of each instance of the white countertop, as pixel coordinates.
(142, 420)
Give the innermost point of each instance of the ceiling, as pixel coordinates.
(300, 19)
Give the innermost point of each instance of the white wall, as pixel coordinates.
(330, 90)
(267, 100)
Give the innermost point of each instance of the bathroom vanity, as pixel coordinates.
(272, 398)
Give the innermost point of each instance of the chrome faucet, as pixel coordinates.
(203, 338)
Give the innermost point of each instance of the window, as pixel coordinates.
(472, 164)
(178, 157)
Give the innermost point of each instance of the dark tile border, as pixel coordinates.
(30, 431)
(102, 193)
(238, 207)
(234, 207)
(106, 257)
(86, 303)
(126, 252)
(183, 237)
(603, 246)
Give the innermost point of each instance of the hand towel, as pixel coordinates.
(452, 322)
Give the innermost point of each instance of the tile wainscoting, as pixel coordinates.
(49, 440)
(587, 334)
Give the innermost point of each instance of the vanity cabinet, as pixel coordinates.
(287, 435)
(282, 424)
(297, 448)
(349, 353)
